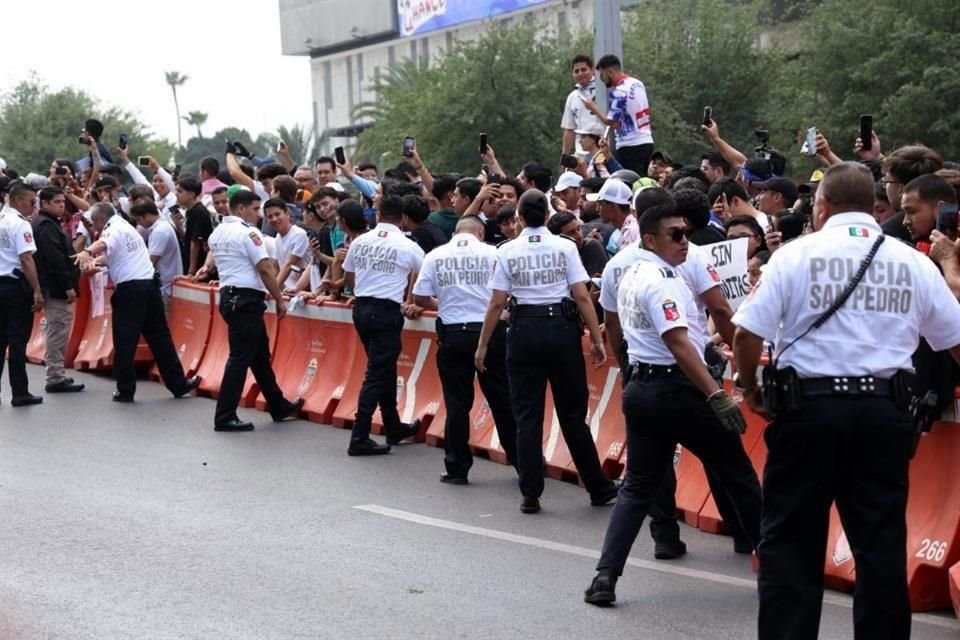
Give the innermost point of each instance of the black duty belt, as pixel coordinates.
(851, 387)
(376, 301)
(10, 279)
(537, 311)
(472, 327)
(242, 291)
(641, 371)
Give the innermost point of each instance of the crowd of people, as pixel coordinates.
(518, 262)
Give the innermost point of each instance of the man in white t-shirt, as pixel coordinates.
(163, 246)
(629, 112)
(576, 115)
(293, 246)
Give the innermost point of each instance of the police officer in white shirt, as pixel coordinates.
(453, 282)
(20, 293)
(246, 273)
(293, 245)
(542, 271)
(844, 434)
(137, 304)
(671, 397)
(162, 244)
(379, 268)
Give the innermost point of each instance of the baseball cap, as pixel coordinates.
(232, 189)
(783, 186)
(3, 164)
(614, 191)
(593, 129)
(568, 180)
(336, 186)
(757, 170)
(105, 181)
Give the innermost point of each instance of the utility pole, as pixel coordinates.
(607, 38)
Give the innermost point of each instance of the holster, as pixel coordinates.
(24, 284)
(781, 390)
(903, 384)
(568, 309)
(716, 361)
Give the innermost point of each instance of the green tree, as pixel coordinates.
(511, 83)
(38, 125)
(196, 119)
(176, 79)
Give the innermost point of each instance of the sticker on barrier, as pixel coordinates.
(484, 439)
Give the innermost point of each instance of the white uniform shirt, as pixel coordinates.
(538, 267)
(382, 260)
(295, 243)
(652, 300)
(127, 256)
(163, 243)
(629, 107)
(237, 249)
(576, 116)
(697, 273)
(901, 297)
(458, 273)
(16, 238)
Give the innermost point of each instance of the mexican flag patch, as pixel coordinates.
(859, 232)
(534, 239)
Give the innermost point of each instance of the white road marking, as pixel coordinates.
(661, 567)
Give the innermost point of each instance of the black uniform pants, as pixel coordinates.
(635, 158)
(660, 413)
(249, 350)
(856, 452)
(16, 322)
(379, 324)
(541, 350)
(138, 309)
(455, 364)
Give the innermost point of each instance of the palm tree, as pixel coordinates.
(175, 79)
(300, 142)
(196, 119)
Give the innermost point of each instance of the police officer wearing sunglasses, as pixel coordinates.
(542, 271)
(671, 397)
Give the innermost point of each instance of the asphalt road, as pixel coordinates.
(139, 521)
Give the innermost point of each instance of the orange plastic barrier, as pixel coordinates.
(218, 350)
(484, 439)
(191, 315)
(933, 523)
(37, 347)
(418, 383)
(315, 349)
(955, 587)
(95, 350)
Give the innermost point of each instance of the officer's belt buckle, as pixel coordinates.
(855, 386)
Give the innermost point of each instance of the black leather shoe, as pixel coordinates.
(449, 479)
(403, 432)
(234, 425)
(606, 496)
(367, 448)
(669, 550)
(119, 397)
(530, 505)
(292, 412)
(25, 400)
(192, 383)
(742, 545)
(601, 591)
(64, 386)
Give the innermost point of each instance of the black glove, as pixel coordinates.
(240, 150)
(728, 411)
(228, 147)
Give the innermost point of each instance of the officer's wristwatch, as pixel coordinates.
(741, 388)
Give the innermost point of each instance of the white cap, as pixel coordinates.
(336, 186)
(592, 129)
(3, 164)
(613, 190)
(568, 180)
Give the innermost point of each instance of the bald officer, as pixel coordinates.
(671, 397)
(20, 292)
(246, 274)
(453, 282)
(846, 435)
(542, 271)
(380, 267)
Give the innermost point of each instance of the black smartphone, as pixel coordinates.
(84, 139)
(123, 141)
(340, 156)
(483, 144)
(866, 132)
(947, 219)
(707, 116)
(763, 136)
(408, 144)
(568, 161)
(143, 161)
(61, 171)
(176, 172)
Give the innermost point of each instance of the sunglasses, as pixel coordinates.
(678, 235)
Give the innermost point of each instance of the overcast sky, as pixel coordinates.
(230, 50)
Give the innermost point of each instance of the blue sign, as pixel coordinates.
(416, 17)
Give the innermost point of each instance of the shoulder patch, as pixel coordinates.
(713, 273)
(859, 232)
(257, 240)
(670, 311)
(534, 239)
(381, 234)
(667, 273)
(28, 238)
